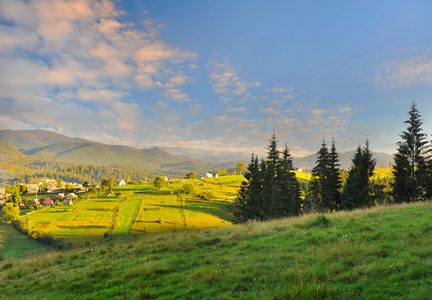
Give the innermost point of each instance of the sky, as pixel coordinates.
(217, 75)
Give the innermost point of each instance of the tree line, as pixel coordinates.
(272, 190)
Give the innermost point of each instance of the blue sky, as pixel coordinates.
(217, 75)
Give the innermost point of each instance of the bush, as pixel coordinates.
(188, 188)
(207, 195)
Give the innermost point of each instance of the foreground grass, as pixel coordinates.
(380, 253)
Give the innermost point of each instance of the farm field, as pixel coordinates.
(16, 244)
(140, 208)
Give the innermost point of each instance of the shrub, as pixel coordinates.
(320, 221)
(188, 188)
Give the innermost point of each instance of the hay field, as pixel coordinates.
(140, 208)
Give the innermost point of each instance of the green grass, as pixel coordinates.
(14, 244)
(128, 215)
(379, 253)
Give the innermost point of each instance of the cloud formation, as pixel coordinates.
(224, 79)
(58, 55)
(412, 71)
(74, 67)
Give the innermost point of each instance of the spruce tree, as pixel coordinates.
(271, 189)
(357, 191)
(334, 181)
(409, 169)
(318, 180)
(247, 204)
(289, 193)
(326, 180)
(271, 183)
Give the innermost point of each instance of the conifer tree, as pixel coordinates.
(357, 191)
(289, 194)
(271, 189)
(246, 206)
(271, 186)
(409, 169)
(334, 181)
(319, 173)
(326, 180)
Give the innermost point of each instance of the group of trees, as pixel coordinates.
(78, 173)
(271, 189)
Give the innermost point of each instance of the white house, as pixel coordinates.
(121, 182)
(208, 175)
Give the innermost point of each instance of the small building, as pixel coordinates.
(71, 196)
(298, 170)
(47, 202)
(208, 175)
(35, 202)
(121, 182)
(67, 202)
(22, 204)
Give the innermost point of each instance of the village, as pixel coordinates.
(53, 195)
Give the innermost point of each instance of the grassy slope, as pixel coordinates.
(379, 253)
(14, 244)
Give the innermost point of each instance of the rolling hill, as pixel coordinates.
(23, 150)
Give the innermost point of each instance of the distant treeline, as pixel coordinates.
(33, 171)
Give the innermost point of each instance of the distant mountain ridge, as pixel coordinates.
(205, 155)
(45, 146)
(384, 160)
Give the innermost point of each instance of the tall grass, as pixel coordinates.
(379, 253)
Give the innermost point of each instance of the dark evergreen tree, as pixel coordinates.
(410, 168)
(357, 191)
(247, 206)
(289, 193)
(272, 189)
(319, 173)
(334, 182)
(326, 180)
(271, 182)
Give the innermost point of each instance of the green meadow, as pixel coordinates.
(139, 208)
(383, 252)
(14, 244)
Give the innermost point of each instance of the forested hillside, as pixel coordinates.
(27, 155)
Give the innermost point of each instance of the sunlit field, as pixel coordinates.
(140, 208)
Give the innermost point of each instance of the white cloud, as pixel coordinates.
(225, 80)
(412, 71)
(62, 56)
(231, 109)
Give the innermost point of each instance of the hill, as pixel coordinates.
(206, 155)
(33, 152)
(378, 253)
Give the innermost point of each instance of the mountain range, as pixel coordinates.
(41, 146)
(29, 150)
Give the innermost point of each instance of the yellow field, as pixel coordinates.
(140, 209)
(383, 172)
